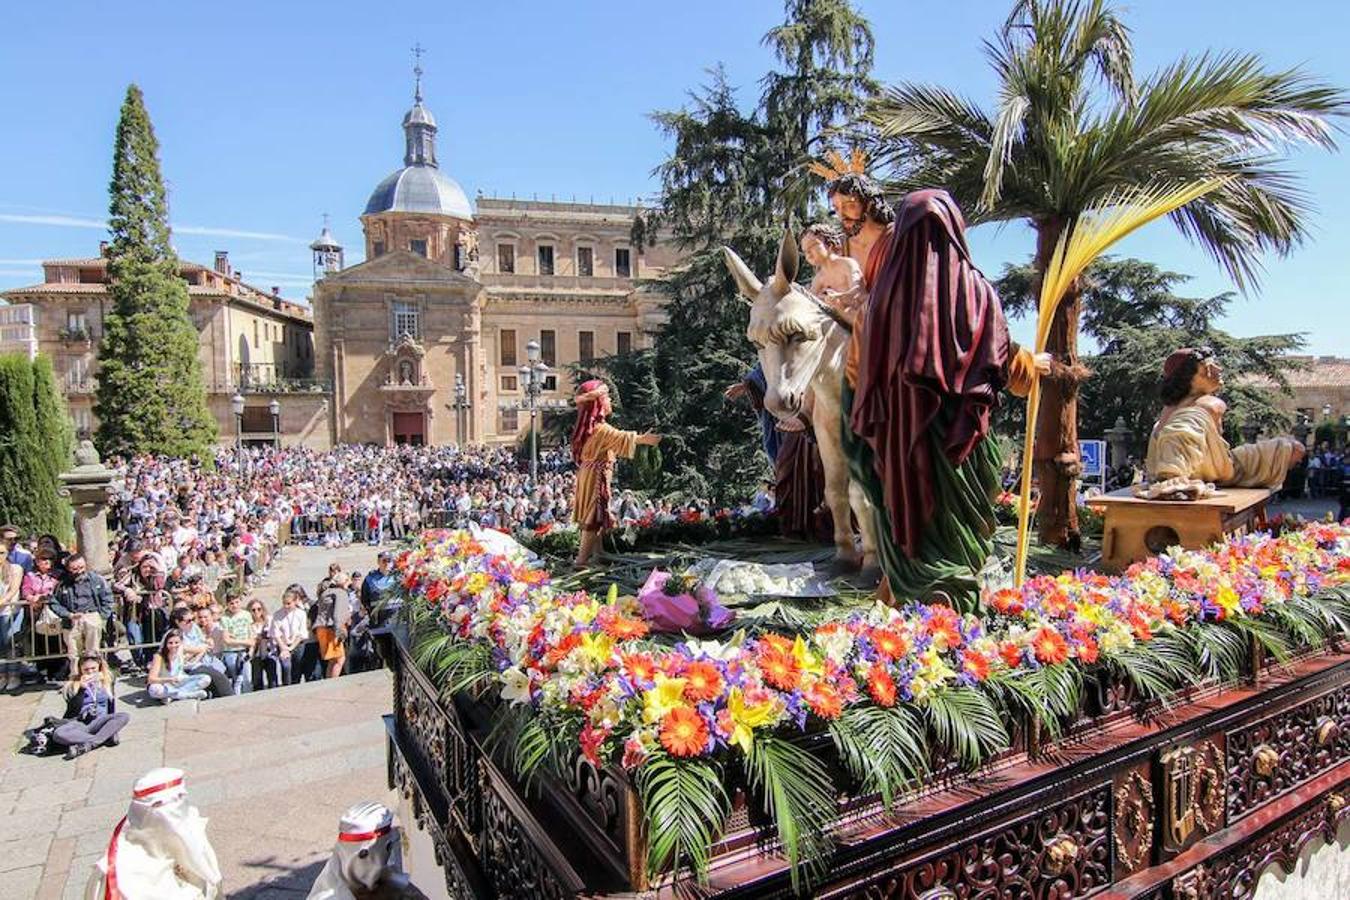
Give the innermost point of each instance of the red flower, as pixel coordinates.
(881, 685)
(780, 669)
(683, 732)
(638, 666)
(1008, 601)
(702, 681)
(944, 626)
(824, 699)
(1087, 651)
(1011, 654)
(591, 740)
(975, 664)
(889, 643)
(1050, 647)
(624, 628)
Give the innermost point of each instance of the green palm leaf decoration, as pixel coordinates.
(798, 794)
(882, 748)
(684, 805)
(966, 723)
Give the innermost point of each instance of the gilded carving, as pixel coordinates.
(1133, 833)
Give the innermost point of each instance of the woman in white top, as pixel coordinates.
(290, 629)
(167, 681)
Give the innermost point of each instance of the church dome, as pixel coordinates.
(420, 189)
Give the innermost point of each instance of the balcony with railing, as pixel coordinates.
(271, 378)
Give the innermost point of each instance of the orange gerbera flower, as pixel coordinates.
(944, 625)
(638, 666)
(824, 699)
(975, 664)
(1050, 647)
(1008, 601)
(775, 642)
(890, 644)
(1011, 654)
(683, 732)
(1088, 651)
(780, 669)
(624, 628)
(702, 681)
(881, 685)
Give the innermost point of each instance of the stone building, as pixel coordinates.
(1321, 389)
(451, 294)
(253, 343)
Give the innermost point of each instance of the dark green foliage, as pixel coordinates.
(797, 793)
(35, 447)
(684, 805)
(735, 178)
(1132, 312)
(150, 396)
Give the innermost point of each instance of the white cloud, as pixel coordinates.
(66, 221)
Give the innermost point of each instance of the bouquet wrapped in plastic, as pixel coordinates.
(675, 603)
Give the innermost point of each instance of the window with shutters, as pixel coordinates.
(510, 421)
(585, 262)
(622, 266)
(625, 341)
(507, 351)
(548, 347)
(545, 259)
(586, 345)
(506, 258)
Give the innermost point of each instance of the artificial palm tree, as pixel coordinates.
(1072, 128)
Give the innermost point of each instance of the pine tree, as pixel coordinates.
(150, 398)
(30, 445)
(735, 178)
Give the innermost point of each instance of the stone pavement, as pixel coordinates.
(272, 771)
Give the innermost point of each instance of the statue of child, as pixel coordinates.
(838, 280)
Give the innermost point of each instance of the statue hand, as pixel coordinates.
(1042, 363)
(735, 391)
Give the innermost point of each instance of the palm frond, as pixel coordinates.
(684, 805)
(796, 790)
(1089, 236)
(882, 748)
(965, 722)
(1221, 652)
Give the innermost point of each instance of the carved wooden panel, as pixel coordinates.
(1233, 875)
(1278, 753)
(1134, 825)
(1060, 853)
(517, 856)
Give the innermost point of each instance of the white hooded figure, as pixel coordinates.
(367, 860)
(159, 851)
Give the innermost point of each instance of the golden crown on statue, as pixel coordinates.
(835, 165)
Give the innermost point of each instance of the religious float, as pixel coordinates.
(969, 729)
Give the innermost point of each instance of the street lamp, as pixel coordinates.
(461, 408)
(532, 376)
(237, 404)
(275, 409)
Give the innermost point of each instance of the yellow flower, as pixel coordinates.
(584, 613)
(1228, 598)
(667, 694)
(808, 661)
(746, 718)
(597, 649)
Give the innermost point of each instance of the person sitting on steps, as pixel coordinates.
(92, 719)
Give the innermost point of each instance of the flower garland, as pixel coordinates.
(589, 661)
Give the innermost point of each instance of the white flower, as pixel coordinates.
(515, 687)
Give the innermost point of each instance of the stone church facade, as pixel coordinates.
(452, 292)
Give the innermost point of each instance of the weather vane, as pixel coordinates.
(417, 70)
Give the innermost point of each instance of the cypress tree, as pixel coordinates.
(150, 396)
(29, 444)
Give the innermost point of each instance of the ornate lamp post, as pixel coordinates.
(237, 404)
(275, 409)
(461, 409)
(532, 377)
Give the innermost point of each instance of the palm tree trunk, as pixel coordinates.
(1056, 451)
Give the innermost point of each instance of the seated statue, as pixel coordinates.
(1187, 454)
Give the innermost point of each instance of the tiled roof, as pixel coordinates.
(1325, 372)
(92, 261)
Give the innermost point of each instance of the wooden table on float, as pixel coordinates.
(1136, 529)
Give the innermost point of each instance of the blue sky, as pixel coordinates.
(270, 114)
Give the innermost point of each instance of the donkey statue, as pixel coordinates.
(802, 346)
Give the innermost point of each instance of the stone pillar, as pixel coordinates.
(87, 485)
(1118, 439)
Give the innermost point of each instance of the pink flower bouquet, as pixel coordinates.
(677, 604)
